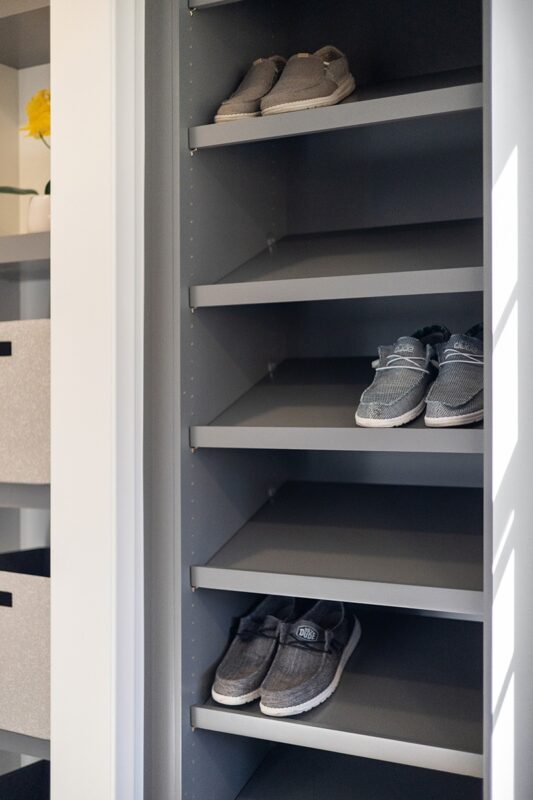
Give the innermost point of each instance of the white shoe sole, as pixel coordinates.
(291, 711)
(342, 91)
(228, 700)
(231, 117)
(453, 422)
(394, 422)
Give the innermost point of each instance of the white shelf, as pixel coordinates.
(24, 33)
(25, 256)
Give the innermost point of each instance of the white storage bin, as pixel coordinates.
(25, 401)
(25, 638)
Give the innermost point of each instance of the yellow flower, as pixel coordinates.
(38, 111)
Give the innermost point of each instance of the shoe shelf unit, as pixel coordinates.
(308, 404)
(359, 544)
(25, 256)
(396, 702)
(276, 267)
(24, 506)
(441, 258)
(456, 92)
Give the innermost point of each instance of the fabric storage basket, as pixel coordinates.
(25, 401)
(25, 638)
(29, 783)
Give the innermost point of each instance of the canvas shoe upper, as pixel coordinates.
(249, 656)
(311, 80)
(404, 372)
(311, 657)
(246, 99)
(456, 397)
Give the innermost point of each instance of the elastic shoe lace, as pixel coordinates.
(266, 633)
(453, 356)
(393, 358)
(333, 648)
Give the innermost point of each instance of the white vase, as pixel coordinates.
(39, 213)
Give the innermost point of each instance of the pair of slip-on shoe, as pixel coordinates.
(431, 372)
(290, 659)
(274, 86)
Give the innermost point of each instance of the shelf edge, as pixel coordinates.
(424, 598)
(452, 280)
(354, 744)
(452, 440)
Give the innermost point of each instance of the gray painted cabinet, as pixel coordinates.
(281, 251)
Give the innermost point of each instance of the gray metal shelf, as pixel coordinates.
(436, 258)
(309, 404)
(26, 745)
(413, 547)
(411, 694)
(430, 95)
(308, 775)
(25, 256)
(24, 33)
(209, 3)
(24, 495)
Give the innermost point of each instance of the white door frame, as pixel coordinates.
(97, 399)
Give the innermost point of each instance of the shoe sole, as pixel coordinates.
(394, 422)
(231, 117)
(342, 91)
(291, 711)
(240, 700)
(453, 422)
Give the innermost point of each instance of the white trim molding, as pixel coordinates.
(97, 399)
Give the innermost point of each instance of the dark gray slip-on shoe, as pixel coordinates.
(456, 397)
(246, 99)
(404, 372)
(310, 80)
(311, 657)
(249, 656)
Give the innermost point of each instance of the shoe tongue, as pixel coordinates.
(306, 631)
(466, 344)
(408, 346)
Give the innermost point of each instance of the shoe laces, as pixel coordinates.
(333, 647)
(453, 356)
(407, 362)
(250, 633)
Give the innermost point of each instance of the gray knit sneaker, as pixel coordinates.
(311, 80)
(310, 660)
(456, 397)
(249, 656)
(246, 99)
(404, 372)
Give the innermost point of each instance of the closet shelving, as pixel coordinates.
(25, 256)
(300, 243)
(455, 92)
(24, 33)
(359, 544)
(308, 404)
(396, 702)
(438, 258)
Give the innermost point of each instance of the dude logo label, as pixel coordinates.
(307, 633)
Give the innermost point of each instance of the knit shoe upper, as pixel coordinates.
(249, 656)
(404, 372)
(311, 656)
(310, 80)
(456, 397)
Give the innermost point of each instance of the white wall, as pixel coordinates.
(512, 386)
